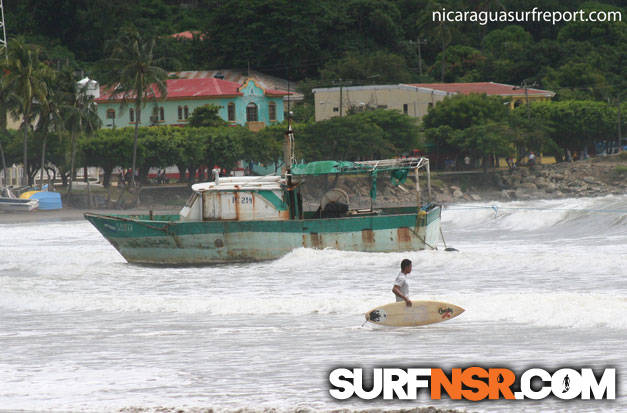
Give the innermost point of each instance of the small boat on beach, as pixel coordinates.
(11, 203)
(254, 218)
(47, 200)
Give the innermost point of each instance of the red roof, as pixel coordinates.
(489, 88)
(194, 89)
(189, 35)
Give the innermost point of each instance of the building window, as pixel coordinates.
(180, 113)
(251, 113)
(131, 115)
(186, 112)
(336, 109)
(231, 112)
(272, 111)
(110, 114)
(430, 105)
(155, 115)
(405, 108)
(161, 114)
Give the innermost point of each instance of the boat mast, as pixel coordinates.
(289, 158)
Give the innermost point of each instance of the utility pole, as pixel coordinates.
(3, 40)
(341, 84)
(526, 87)
(341, 100)
(620, 138)
(420, 42)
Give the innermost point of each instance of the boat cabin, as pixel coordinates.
(243, 198)
(270, 198)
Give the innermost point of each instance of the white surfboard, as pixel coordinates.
(419, 314)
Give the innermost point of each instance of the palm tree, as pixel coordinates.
(7, 102)
(26, 78)
(49, 117)
(135, 77)
(80, 117)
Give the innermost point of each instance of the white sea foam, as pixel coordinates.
(569, 310)
(536, 215)
(84, 331)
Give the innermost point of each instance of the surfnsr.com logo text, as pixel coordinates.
(472, 383)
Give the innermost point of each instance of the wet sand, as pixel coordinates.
(71, 214)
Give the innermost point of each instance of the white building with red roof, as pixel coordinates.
(246, 104)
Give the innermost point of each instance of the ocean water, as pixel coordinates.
(543, 285)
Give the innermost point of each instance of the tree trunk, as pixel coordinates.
(25, 175)
(182, 169)
(4, 163)
(138, 120)
(43, 161)
(106, 179)
(72, 157)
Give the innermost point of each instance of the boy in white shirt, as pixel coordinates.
(401, 287)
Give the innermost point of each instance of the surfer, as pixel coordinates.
(401, 288)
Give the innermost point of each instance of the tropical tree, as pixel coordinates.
(206, 116)
(80, 117)
(27, 80)
(7, 101)
(134, 76)
(48, 119)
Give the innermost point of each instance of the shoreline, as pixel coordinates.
(76, 214)
(591, 178)
(429, 409)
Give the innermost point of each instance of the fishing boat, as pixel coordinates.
(240, 219)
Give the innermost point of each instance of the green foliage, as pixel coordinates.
(576, 124)
(472, 124)
(264, 146)
(346, 138)
(303, 112)
(532, 134)
(365, 135)
(189, 147)
(348, 40)
(378, 67)
(133, 73)
(464, 64)
(621, 170)
(206, 116)
(27, 82)
(509, 50)
(399, 130)
(464, 111)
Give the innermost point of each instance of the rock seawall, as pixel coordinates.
(587, 178)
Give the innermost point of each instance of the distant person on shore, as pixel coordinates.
(532, 159)
(401, 287)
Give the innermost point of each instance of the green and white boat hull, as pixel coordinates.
(166, 240)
